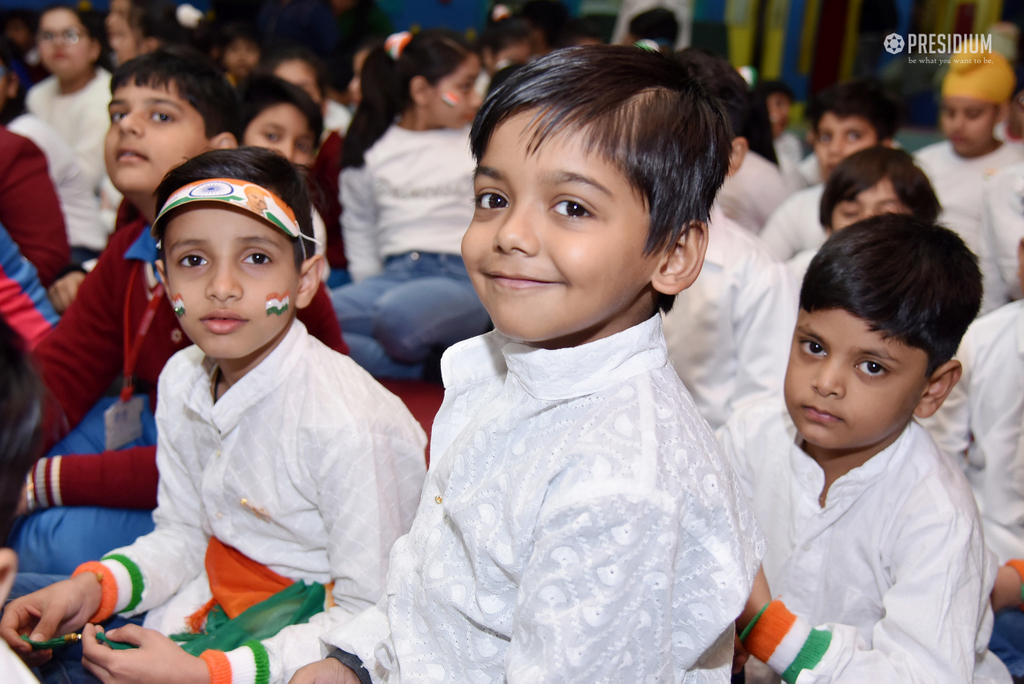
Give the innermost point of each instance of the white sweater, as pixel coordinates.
(413, 193)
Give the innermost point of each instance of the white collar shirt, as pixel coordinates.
(981, 419)
(578, 524)
(331, 461)
(1002, 227)
(729, 333)
(894, 565)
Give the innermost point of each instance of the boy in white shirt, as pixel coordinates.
(975, 98)
(286, 472)
(1002, 227)
(845, 118)
(873, 533)
(578, 523)
(728, 334)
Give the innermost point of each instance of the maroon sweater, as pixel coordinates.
(85, 353)
(29, 208)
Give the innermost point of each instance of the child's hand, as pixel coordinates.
(63, 292)
(1006, 592)
(157, 659)
(760, 596)
(58, 609)
(327, 671)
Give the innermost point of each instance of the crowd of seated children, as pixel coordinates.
(728, 333)
(878, 180)
(789, 151)
(285, 469)
(166, 107)
(1002, 228)
(844, 119)
(504, 43)
(79, 205)
(877, 568)
(406, 189)
(975, 97)
(21, 408)
(578, 522)
(72, 46)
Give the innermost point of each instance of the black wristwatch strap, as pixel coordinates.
(352, 662)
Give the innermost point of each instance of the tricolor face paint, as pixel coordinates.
(277, 303)
(179, 305)
(451, 99)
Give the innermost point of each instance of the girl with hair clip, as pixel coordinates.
(878, 180)
(72, 46)
(407, 190)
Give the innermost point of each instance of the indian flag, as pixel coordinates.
(277, 303)
(179, 305)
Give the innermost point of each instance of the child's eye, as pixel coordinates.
(116, 116)
(813, 348)
(871, 367)
(160, 116)
(491, 200)
(571, 209)
(853, 135)
(258, 258)
(192, 261)
(272, 137)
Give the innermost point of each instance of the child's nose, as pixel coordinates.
(828, 380)
(516, 234)
(223, 284)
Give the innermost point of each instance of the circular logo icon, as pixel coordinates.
(894, 43)
(212, 188)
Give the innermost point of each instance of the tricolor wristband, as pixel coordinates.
(247, 664)
(784, 642)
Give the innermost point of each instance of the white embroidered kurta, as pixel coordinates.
(982, 419)
(750, 195)
(729, 333)
(796, 224)
(894, 565)
(333, 459)
(578, 524)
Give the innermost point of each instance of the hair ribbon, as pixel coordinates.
(396, 42)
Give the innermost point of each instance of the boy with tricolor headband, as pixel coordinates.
(975, 99)
(286, 471)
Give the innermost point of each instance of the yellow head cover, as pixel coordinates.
(986, 76)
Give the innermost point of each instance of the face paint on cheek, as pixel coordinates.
(179, 305)
(277, 303)
(449, 98)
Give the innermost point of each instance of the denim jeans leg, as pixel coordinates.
(1007, 639)
(370, 355)
(354, 304)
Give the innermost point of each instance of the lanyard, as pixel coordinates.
(131, 350)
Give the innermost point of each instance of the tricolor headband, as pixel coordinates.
(395, 43)
(253, 198)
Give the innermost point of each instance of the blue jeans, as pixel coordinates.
(392, 321)
(57, 540)
(1007, 640)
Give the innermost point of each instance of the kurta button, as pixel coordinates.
(437, 499)
(219, 515)
(217, 452)
(415, 256)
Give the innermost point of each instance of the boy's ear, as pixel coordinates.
(223, 141)
(940, 384)
(159, 263)
(420, 90)
(737, 154)
(310, 274)
(680, 265)
(8, 570)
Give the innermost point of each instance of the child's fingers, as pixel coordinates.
(129, 634)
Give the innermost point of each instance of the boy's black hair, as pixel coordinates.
(193, 77)
(21, 411)
(748, 117)
(500, 34)
(257, 165)
(658, 24)
(158, 19)
(912, 281)
(643, 112)
(262, 92)
(238, 30)
(863, 98)
(290, 52)
(865, 169)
